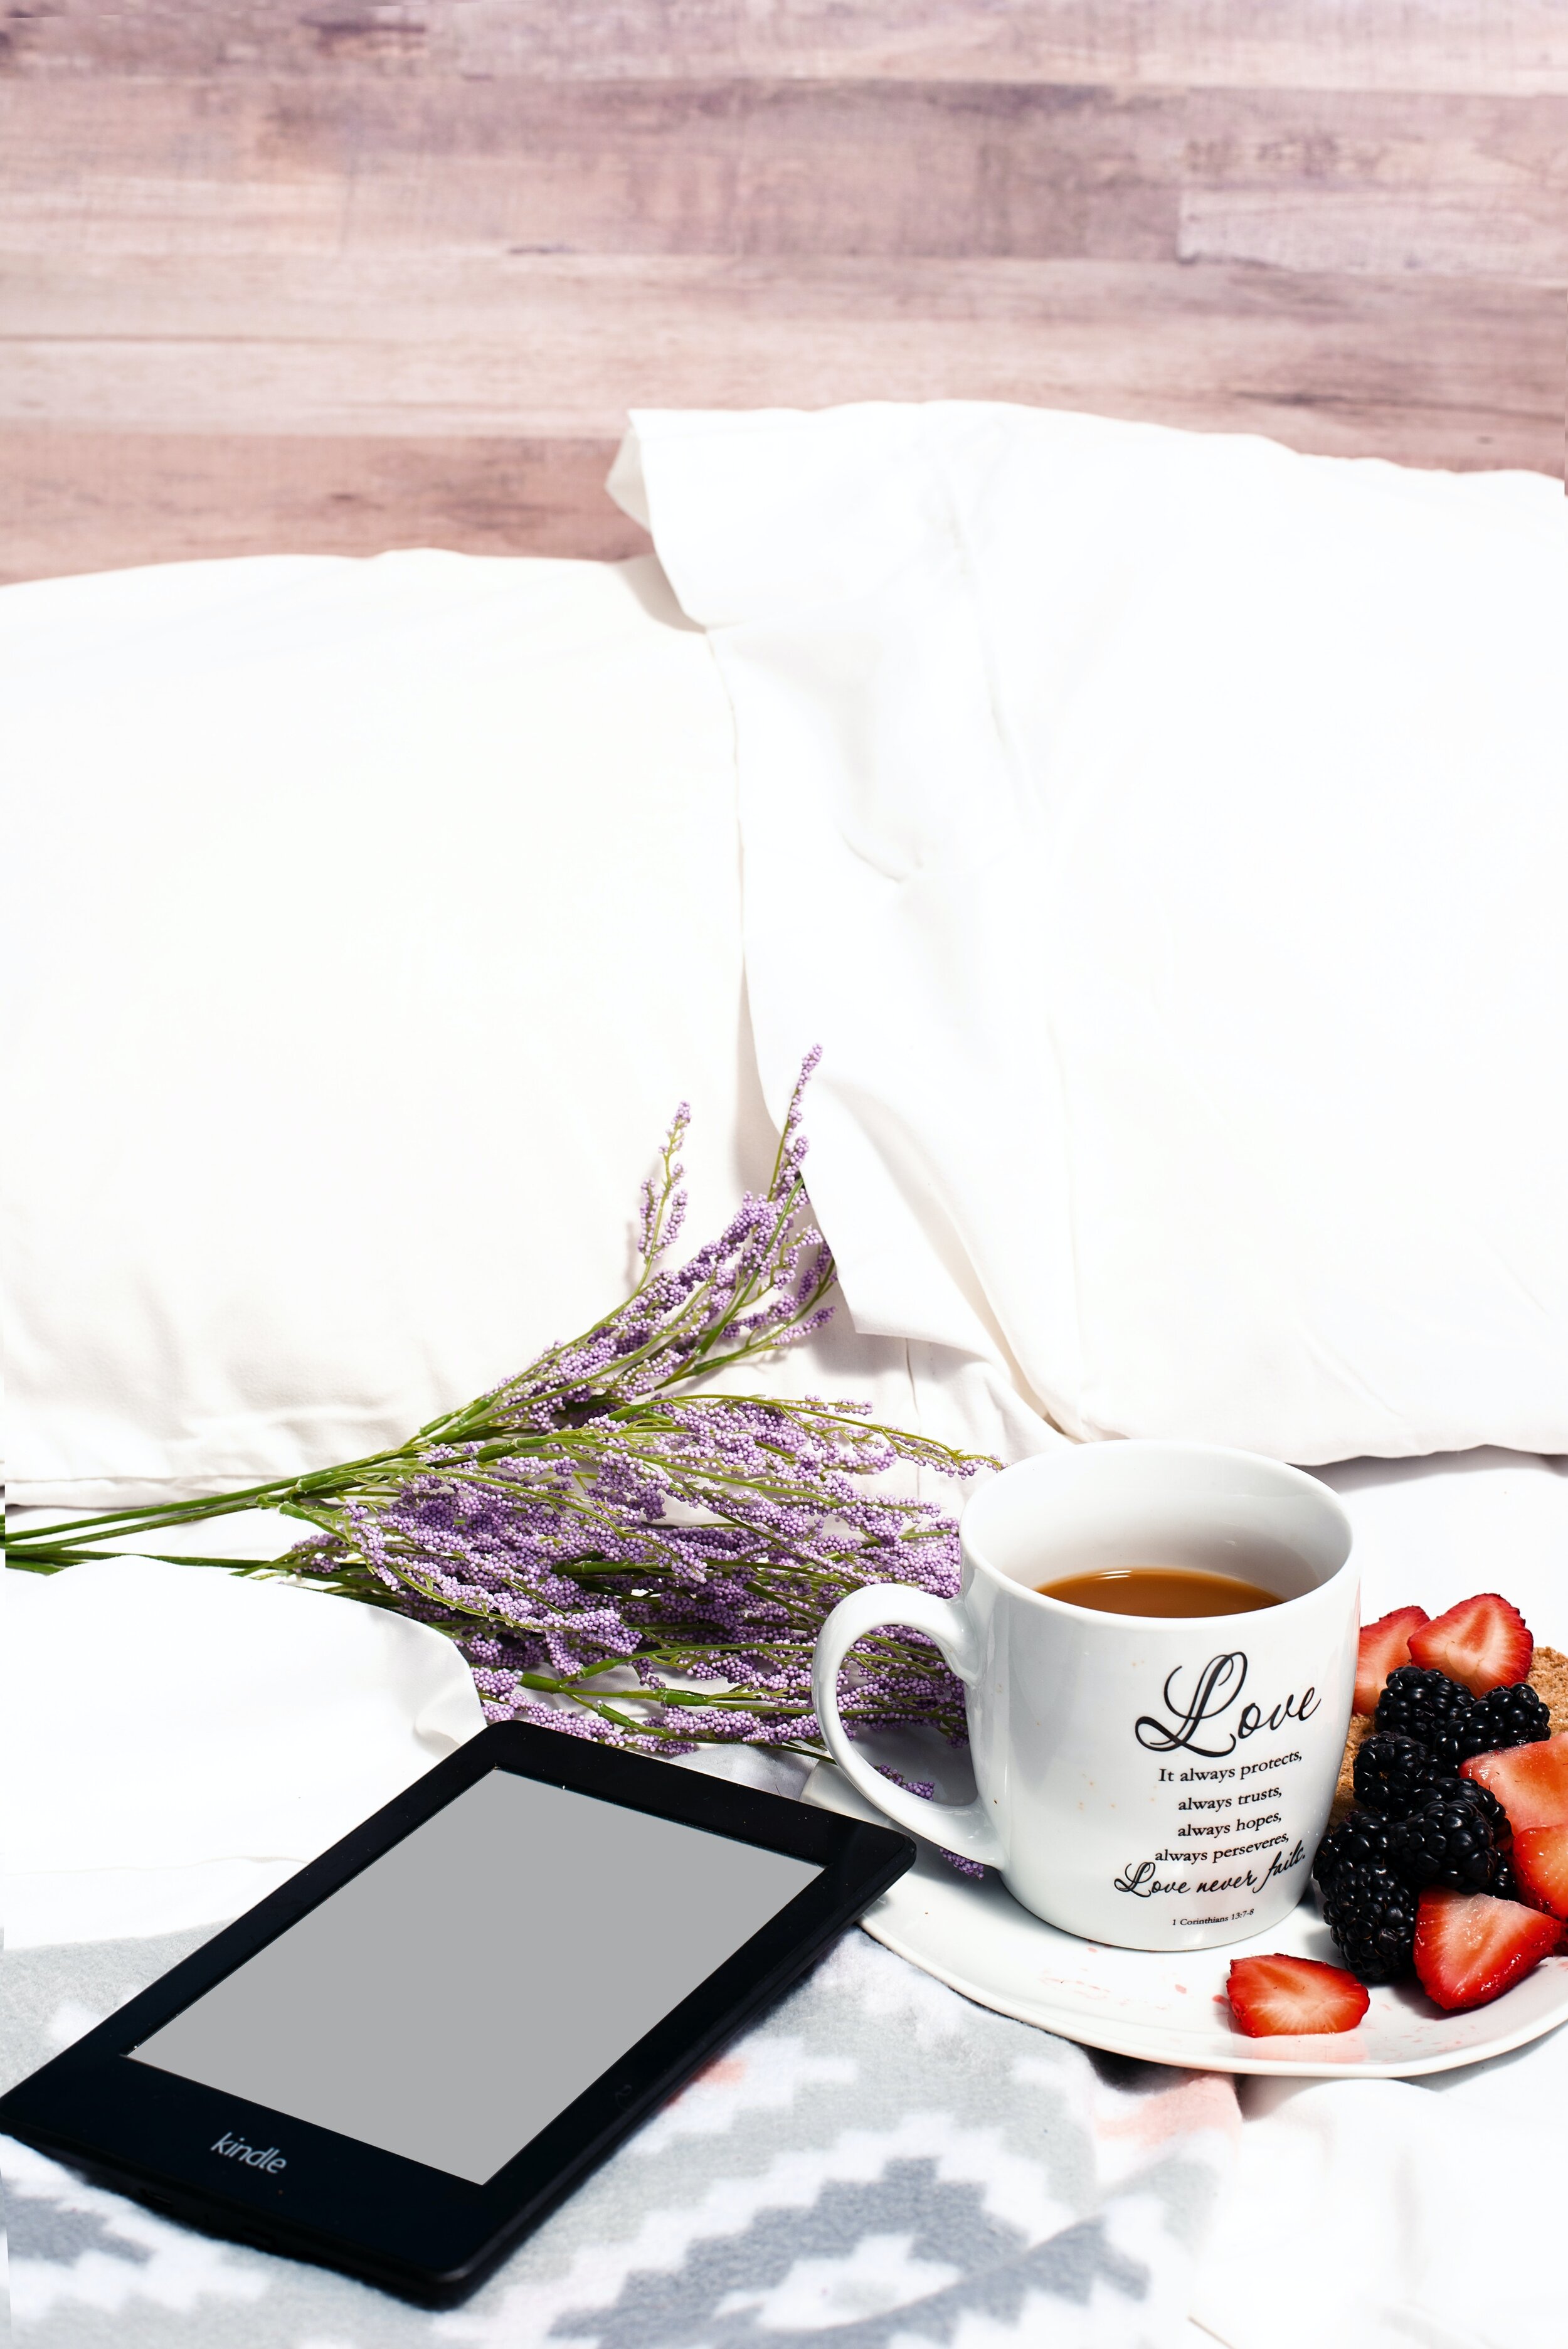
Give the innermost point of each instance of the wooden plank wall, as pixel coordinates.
(337, 274)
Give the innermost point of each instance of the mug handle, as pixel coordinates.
(962, 1828)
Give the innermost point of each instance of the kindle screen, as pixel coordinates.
(457, 1995)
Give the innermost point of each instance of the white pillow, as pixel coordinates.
(368, 922)
(1167, 835)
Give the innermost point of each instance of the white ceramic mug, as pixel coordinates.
(1155, 1781)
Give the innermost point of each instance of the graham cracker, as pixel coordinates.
(1548, 1676)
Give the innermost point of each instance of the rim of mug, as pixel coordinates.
(1298, 1477)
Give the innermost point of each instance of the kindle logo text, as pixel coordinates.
(254, 2157)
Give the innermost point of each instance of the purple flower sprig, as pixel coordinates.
(759, 1287)
(622, 1550)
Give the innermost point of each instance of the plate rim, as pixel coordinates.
(1112, 2041)
(1155, 2044)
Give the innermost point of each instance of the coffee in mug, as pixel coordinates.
(1156, 1781)
(1159, 1590)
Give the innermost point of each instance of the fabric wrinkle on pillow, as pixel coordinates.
(1166, 836)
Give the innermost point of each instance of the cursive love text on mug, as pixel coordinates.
(1231, 1841)
(1216, 1689)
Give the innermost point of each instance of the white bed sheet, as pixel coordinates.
(1360, 2213)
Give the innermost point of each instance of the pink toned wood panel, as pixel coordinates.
(337, 278)
(1512, 46)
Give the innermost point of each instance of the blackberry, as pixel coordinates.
(1360, 1840)
(1504, 1885)
(1371, 1914)
(1429, 1706)
(1470, 1790)
(1507, 1716)
(1455, 1840)
(1396, 1776)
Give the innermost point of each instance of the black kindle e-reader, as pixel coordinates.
(401, 2061)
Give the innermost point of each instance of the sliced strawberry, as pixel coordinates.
(1541, 1863)
(1270, 1994)
(1531, 1782)
(1470, 1948)
(1483, 1642)
(1385, 1646)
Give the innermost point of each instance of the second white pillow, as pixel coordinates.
(1167, 836)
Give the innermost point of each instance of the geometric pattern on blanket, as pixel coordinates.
(878, 2165)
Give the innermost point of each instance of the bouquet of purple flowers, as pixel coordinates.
(620, 1549)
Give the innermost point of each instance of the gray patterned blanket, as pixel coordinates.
(879, 2165)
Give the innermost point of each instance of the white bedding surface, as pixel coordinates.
(224, 1715)
(317, 849)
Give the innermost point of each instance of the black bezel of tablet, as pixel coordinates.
(397, 2223)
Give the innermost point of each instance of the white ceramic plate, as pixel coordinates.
(1173, 2009)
